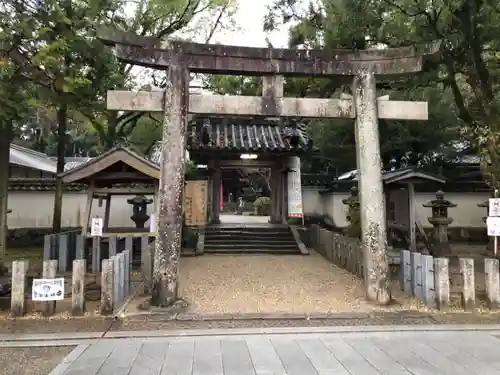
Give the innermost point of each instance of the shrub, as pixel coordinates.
(262, 206)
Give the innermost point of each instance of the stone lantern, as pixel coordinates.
(353, 199)
(485, 204)
(140, 212)
(440, 221)
(354, 214)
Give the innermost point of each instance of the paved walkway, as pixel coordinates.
(343, 353)
(243, 219)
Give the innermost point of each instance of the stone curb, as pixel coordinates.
(185, 316)
(74, 338)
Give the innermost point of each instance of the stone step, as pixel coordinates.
(256, 241)
(264, 239)
(250, 245)
(259, 250)
(248, 229)
(248, 232)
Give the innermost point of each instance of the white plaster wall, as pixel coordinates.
(34, 209)
(311, 201)
(467, 214)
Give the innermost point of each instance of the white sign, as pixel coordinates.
(493, 224)
(96, 227)
(294, 189)
(152, 223)
(494, 207)
(48, 289)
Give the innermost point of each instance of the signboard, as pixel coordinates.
(493, 225)
(48, 289)
(294, 189)
(96, 227)
(494, 209)
(195, 202)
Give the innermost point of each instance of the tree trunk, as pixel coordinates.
(62, 122)
(5, 139)
(170, 217)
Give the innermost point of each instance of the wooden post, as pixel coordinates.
(47, 247)
(19, 269)
(126, 273)
(63, 252)
(49, 272)
(96, 254)
(169, 239)
(129, 243)
(145, 258)
(107, 211)
(111, 246)
(121, 276)
(80, 247)
(78, 287)
(106, 306)
(116, 282)
(412, 218)
(90, 199)
(491, 273)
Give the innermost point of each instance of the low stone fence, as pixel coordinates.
(339, 249)
(114, 286)
(69, 246)
(428, 279)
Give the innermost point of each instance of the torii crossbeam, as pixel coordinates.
(358, 67)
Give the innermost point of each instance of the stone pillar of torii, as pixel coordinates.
(360, 68)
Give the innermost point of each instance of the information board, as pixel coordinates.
(48, 289)
(96, 227)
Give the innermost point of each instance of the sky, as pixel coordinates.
(249, 19)
(248, 32)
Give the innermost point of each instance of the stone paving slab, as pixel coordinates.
(345, 353)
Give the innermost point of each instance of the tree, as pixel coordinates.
(15, 95)
(465, 78)
(161, 19)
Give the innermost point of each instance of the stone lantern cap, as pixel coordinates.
(353, 198)
(139, 199)
(439, 202)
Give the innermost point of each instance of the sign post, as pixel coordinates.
(96, 227)
(493, 221)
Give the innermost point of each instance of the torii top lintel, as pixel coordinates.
(222, 59)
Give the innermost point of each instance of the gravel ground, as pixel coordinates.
(31, 361)
(270, 283)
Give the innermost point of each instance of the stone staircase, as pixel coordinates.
(250, 239)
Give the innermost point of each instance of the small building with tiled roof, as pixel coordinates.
(243, 143)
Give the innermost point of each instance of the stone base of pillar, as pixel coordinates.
(215, 221)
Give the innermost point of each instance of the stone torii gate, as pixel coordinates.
(358, 67)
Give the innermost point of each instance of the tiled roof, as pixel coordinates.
(397, 175)
(74, 162)
(40, 184)
(25, 157)
(266, 137)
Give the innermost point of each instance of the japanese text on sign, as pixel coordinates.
(494, 207)
(96, 227)
(493, 224)
(48, 289)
